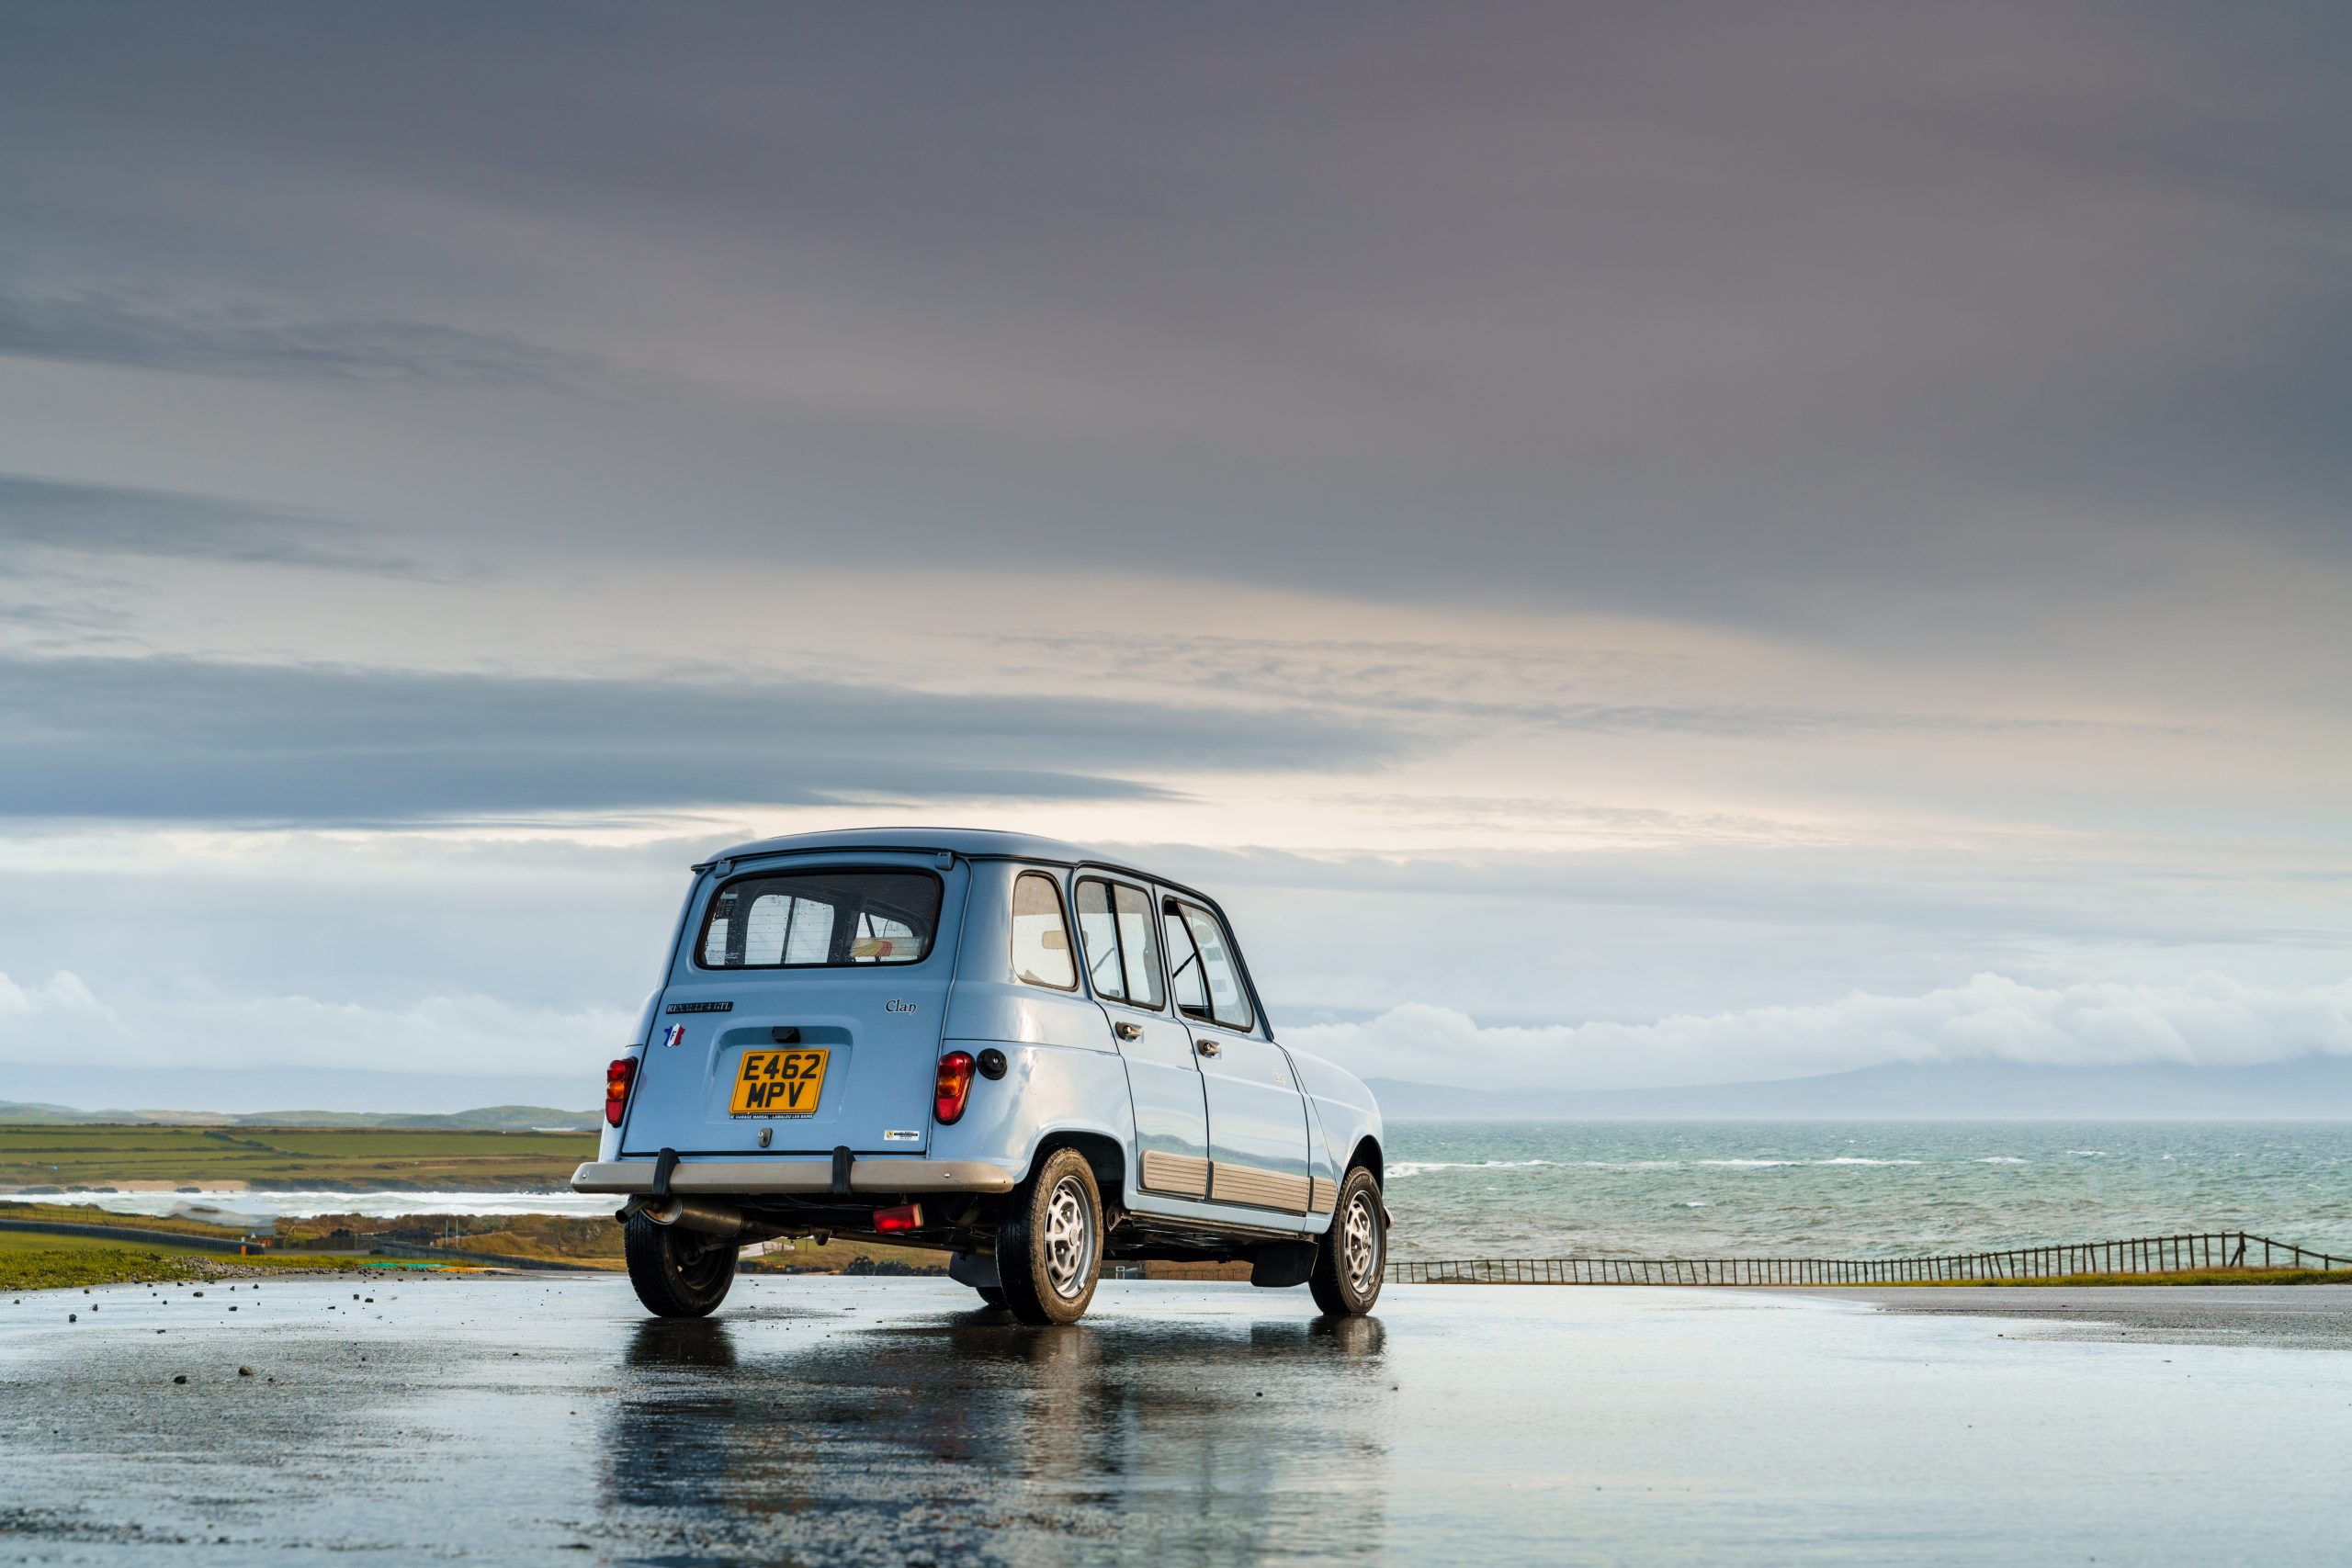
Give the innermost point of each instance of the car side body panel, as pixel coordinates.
(1345, 1112)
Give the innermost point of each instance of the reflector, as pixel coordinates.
(905, 1217)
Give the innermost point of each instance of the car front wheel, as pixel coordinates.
(677, 1272)
(1354, 1252)
(1049, 1246)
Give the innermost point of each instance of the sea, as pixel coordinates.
(1856, 1189)
(1463, 1190)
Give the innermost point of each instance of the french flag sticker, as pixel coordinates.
(677, 1035)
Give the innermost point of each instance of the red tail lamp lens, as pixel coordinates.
(617, 1077)
(893, 1222)
(955, 1086)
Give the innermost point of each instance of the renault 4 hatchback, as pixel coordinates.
(1031, 1058)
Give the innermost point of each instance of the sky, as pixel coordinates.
(1629, 545)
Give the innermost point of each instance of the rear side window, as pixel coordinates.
(821, 919)
(1122, 949)
(1041, 954)
(1201, 969)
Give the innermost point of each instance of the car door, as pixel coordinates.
(804, 1013)
(1123, 969)
(1258, 1129)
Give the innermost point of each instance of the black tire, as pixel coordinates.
(1049, 1246)
(1350, 1263)
(991, 1294)
(677, 1272)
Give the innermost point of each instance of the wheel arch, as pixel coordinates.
(1367, 1154)
(1104, 1154)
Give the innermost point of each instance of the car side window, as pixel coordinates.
(1099, 930)
(1122, 949)
(1041, 954)
(1228, 999)
(1184, 977)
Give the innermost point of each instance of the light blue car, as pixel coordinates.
(1034, 1058)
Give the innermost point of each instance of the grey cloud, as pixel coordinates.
(1604, 692)
(1812, 316)
(115, 520)
(96, 327)
(177, 738)
(1986, 892)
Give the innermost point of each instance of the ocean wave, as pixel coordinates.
(1423, 1167)
(1777, 1164)
(2002, 1159)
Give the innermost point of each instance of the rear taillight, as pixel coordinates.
(617, 1082)
(955, 1086)
(895, 1221)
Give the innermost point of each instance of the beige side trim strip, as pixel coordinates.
(796, 1176)
(1258, 1189)
(1322, 1196)
(1184, 1176)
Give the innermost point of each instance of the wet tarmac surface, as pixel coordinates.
(2313, 1318)
(837, 1420)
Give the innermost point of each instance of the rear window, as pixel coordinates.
(821, 919)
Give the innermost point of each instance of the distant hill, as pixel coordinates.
(489, 1118)
(2310, 1088)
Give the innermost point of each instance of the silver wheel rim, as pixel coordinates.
(1069, 1239)
(1360, 1244)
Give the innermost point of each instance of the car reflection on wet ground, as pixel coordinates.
(833, 1420)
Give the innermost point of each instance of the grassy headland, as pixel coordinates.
(33, 1262)
(334, 1159)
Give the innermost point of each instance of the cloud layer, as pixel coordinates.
(39, 514)
(98, 327)
(149, 1028)
(183, 739)
(1656, 513)
(2210, 1020)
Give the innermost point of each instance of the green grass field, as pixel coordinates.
(35, 1262)
(594, 1240)
(330, 1159)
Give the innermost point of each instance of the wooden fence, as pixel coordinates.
(2140, 1254)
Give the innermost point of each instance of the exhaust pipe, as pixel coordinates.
(693, 1214)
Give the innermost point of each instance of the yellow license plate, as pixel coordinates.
(778, 1083)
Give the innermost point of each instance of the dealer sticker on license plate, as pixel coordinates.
(778, 1083)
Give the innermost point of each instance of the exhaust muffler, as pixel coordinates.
(693, 1214)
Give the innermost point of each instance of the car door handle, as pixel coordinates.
(1127, 1031)
(1207, 1047)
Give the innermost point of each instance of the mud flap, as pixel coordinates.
(1283, 1264)
(972, 1269)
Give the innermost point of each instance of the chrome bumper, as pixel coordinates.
(812, 1177)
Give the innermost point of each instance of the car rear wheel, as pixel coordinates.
(1354, 1251)
(677, 1272)
(1049, 1247)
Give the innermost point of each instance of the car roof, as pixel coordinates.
(973, 843)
